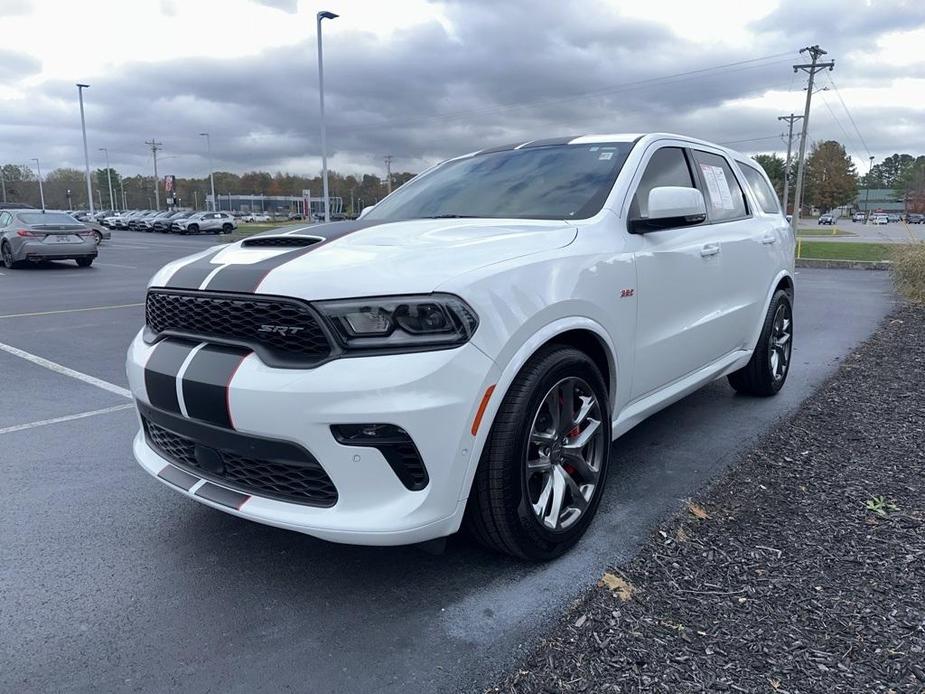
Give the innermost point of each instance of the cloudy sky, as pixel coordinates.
(426, 80)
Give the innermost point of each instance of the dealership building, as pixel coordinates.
(275, 204)
(879, 200)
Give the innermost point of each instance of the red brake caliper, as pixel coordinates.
(572, 434)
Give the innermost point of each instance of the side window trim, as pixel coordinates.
(640, 173)
(749, 213)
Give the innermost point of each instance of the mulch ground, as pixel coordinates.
(801, 570)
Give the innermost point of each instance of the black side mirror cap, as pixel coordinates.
(644, 226)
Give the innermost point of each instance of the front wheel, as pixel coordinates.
(542, 471)
(192, 229)
(227, 228)
(98, 237)
(766, 372)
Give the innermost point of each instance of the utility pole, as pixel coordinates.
(324, 148)
(211, 168)
(112, 200)
(122, 189)
(791, 119)
(811, 69)
(38, 168)
(155, 145)
(3, 184)
(388, 173)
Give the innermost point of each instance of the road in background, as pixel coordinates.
(113, 582)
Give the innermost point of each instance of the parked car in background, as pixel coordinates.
(34, 236)
(138, 223)
(894, 217)
(915, 218)
(879, 219)
(858, 217)
(295, 217)
(256, 217)
(164, 224)
(388, 380)
(826, 219)
(207, 223)
(147, 223)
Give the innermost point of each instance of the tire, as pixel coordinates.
(98, 237)
(767, 370)
(506, 497)
(192, 229)
(84, 262)
(227, 228)
(6, 255)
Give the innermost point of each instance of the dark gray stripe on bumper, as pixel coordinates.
(178, 477)
(222, 496)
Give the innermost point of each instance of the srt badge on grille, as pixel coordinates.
(280, 329)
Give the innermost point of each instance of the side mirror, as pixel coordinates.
(671, 206)
(365, 211)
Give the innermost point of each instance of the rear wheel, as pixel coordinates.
(542, 471)
(766, 372)
(227, 228)
(84, 262)
(6, 254)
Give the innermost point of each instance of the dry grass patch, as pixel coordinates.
(909, 271)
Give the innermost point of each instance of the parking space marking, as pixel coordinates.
(65, 371)
(71, 310)
(66, 418)
(127, 267)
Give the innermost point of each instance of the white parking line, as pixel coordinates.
(58, 368)
(66, 418)
(127, 267)
(70, 310)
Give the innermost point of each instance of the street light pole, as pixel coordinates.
(83, 127)
(211, 168)
(324, 151)
(38, 168)
(112, 200)
(870, 169)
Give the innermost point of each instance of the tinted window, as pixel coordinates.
(4, 218)
(725, 199)
(767, 198)
(667, 167)
(48, 218)
(551, 182)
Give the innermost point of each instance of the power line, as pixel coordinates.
(850, 117)
(752, 139)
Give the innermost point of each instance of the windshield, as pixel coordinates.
(548, 182)
(48, 218)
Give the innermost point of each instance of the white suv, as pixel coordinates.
(467, 350)
(206, 222)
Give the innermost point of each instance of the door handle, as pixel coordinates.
(709, 249)
(768, 239)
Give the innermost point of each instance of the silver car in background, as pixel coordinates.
(34, 236)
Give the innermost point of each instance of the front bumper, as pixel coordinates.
(433, 396)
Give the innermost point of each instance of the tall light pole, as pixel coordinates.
(870, 168)
(324, 151)
(211, 168)
(122, 190)
(83, 127)
(155, 145)
(112, 200)
(38, 168)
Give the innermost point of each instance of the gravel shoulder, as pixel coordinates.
(800, 570)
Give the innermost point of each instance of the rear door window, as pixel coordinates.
(725, 199)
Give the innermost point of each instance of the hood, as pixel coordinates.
(362, 257)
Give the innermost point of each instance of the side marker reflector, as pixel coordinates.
(481, 410)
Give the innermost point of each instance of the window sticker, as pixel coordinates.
(718, 187)
(605, 155)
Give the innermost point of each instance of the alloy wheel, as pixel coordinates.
(564, 454)
(780, 342)
(7, 255)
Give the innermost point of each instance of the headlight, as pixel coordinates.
(401, 322)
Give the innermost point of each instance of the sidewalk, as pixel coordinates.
(801, 570)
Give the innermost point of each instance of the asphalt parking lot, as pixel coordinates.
(113, 582)
(894, 232)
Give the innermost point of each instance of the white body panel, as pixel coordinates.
(669, 316)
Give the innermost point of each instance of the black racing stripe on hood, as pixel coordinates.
(192, 275)
(246, 278)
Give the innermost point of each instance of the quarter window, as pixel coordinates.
(725, 199)
(667, 167)
(4, 219)
(767, 198)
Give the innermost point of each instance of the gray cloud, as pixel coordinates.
(11, 8)
(508, 72)
(16, 66)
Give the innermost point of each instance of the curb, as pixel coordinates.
(845, 264)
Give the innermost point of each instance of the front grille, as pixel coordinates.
(278, 328)
(305, 482)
